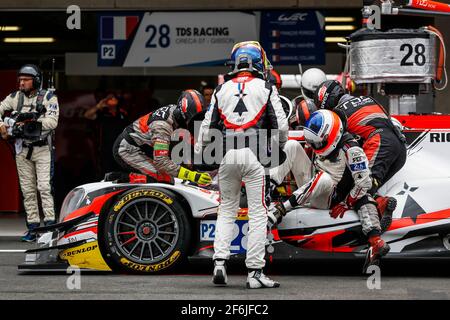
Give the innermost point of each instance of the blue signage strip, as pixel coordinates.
(292, 37)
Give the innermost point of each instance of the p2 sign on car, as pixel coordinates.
(240, 230)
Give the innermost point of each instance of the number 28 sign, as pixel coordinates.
(394, 57)
(164, 39)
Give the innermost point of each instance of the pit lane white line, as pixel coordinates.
(11, 250)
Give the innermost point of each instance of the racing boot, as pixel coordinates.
(257, 279)
(385, 208)
(30, 236)
(377, 249)
(220, 272)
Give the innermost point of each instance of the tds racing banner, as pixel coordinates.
(168, 39)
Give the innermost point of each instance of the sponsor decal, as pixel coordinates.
(142, 193)
(161, 148)
(358, 166)
(153, 267)
(85, 256)
(78, 251)
(161, 153)
(161, 145)
(322, 93)
(440, 137)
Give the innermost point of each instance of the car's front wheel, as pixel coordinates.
(146, 231)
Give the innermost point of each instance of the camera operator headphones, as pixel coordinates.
(34, 71)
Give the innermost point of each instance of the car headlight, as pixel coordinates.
(71, 202)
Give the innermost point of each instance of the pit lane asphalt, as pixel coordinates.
(299, 281)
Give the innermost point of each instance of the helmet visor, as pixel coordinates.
(316, 145)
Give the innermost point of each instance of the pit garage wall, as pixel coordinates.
(9, 187)
(9, 184)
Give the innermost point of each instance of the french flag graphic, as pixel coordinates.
(118, 27)
(275, 58)
(275, 33)
(275, 45)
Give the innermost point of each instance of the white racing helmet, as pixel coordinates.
(311, 79)
(323, 131)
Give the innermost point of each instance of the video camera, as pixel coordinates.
(30, 129)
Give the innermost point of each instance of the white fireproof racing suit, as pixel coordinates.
(241, 105)
(296, 161)
(321, 191)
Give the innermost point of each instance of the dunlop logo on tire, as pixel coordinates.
(142, 193)
(153, 267)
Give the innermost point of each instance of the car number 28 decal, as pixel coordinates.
(240, 230)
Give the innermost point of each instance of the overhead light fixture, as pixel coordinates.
(29, 40)
(9, 28)
(335, 39)
(339, 19)
(343, 27)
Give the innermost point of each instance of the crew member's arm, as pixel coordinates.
(5, 105)
(209, 123)
(277, 116)
(50, 119)
(161, 132)
(359, 167)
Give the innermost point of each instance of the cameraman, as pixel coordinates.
(34, 116)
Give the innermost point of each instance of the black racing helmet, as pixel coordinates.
(327, 95)
(304, 109)
(33, 71)
(191, 104)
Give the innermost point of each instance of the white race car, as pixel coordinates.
(153, 228)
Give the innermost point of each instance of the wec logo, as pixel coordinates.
(293, 17)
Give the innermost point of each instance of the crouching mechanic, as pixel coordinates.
(338, 155)
(383, 142)
(144, 146)
(36, 117)
(242, 108)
